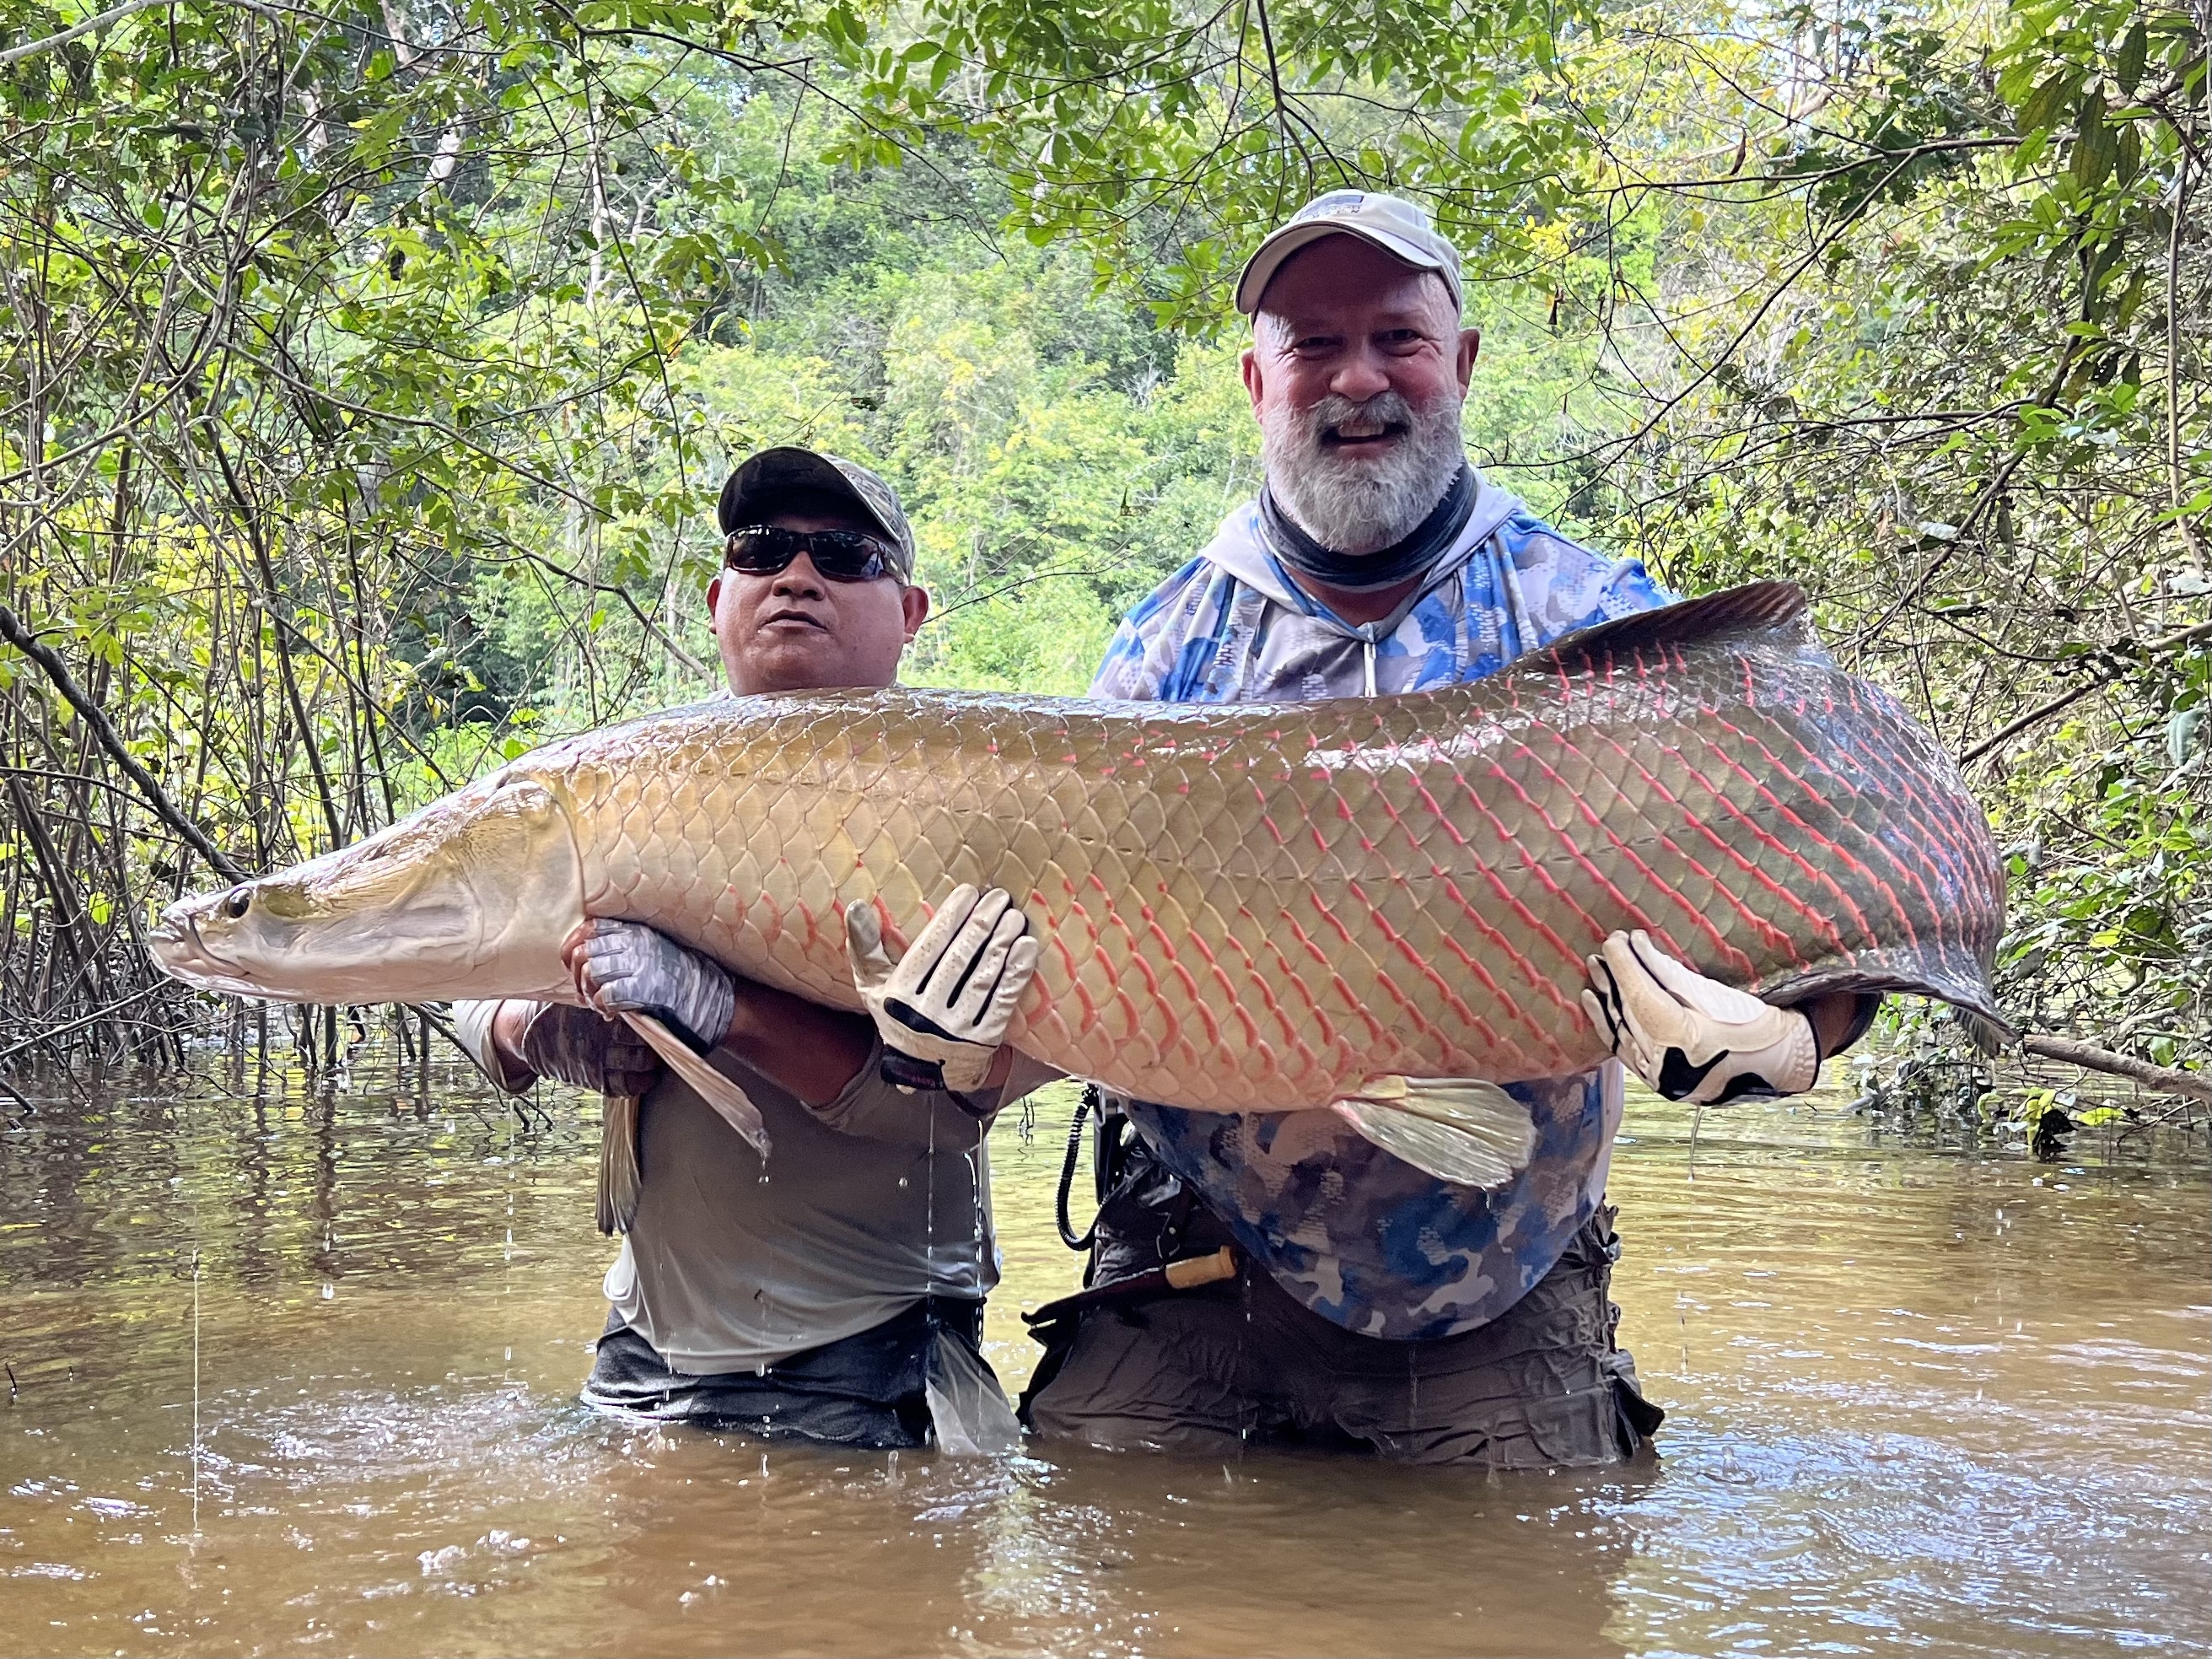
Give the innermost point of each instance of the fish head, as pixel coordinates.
(473, 896)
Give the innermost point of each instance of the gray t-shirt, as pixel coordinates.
(864, 1206)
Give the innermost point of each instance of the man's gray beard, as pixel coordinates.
(1351, 504)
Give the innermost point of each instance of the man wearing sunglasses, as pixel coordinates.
(834, 1294)
(816, 587)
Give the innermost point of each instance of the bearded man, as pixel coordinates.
(1374, 1307)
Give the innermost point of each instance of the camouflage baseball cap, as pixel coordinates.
(756, 489)
(1391, 223)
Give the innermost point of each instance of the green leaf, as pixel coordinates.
(2181, 734)
(2048, 102)
(2094, 148)
(2127, 154)
(2128, 62)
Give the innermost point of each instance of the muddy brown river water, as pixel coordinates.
(1921, 1399)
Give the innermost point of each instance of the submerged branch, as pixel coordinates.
(2166, 1078)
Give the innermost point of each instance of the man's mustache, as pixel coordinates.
(1386, 412)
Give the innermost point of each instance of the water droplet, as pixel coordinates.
(903, 1181)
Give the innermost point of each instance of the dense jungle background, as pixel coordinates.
(367, 373)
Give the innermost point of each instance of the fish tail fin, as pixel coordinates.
(1991, 1037)
(1460, 1129)
(1966, 987)
(621, 1178)
(735, 1107)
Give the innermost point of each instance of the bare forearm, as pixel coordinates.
(507, 1025)
(811, 1050)
(506, 1029)
(1834, 1020)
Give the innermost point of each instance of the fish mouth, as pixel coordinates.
(176, 944)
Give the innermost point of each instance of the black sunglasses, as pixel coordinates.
(840, 556)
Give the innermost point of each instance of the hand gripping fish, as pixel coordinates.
(1377, 907)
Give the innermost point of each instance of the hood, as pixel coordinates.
(1237, 548)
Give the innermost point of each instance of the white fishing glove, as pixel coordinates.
(1694, 1038)
(943, 1008)
(626, 966)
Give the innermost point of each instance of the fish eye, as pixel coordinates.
(236, 904)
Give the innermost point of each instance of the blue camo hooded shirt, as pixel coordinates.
(1357, 1235)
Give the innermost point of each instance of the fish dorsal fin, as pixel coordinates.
(1755, 607)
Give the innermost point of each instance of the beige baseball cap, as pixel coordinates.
(1396, 226)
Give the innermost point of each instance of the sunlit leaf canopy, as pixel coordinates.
(371, 369)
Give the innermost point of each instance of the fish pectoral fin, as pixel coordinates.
(1459, 1129)
(736, 1107)
(621, 1179)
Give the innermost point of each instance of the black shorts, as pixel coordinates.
(867, 1390)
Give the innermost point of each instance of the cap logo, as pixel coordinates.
(1337, 201)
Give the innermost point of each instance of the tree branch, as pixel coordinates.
(2166, 1078)
(12, 631)
(91, 25)
(2075, 694)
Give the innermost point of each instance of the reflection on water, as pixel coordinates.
(1918, 1400)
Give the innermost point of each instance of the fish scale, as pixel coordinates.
(1262, 907)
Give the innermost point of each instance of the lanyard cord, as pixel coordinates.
(1067, 1234)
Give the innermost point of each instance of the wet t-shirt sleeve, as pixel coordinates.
(873, 1109)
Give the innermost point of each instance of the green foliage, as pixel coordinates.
(316, 323)
(1160, 133)
(1046, 497)
(366, 396)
